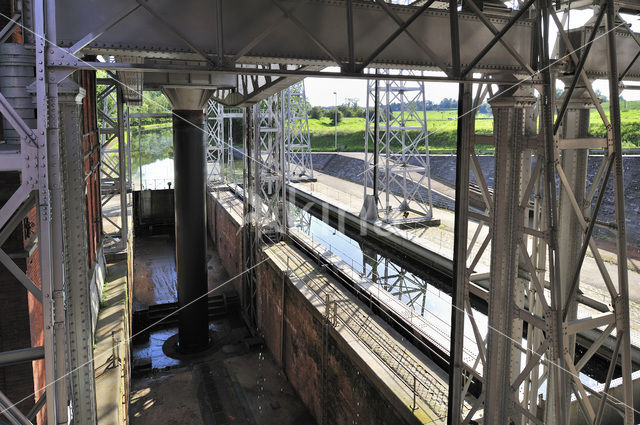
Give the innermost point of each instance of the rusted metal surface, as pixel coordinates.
(91, 152)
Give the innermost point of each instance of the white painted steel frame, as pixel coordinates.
(397, 150)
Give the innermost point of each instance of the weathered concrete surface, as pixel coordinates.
(111, 347)
(227, 386)
(168, 398)
(155, 270)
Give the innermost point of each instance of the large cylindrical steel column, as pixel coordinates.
(189, 161)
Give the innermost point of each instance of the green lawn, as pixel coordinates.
(442, 126)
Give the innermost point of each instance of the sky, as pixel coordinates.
(320, 91)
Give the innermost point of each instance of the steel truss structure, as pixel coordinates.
(115, 166)
(220, 150)
(538, 237)
(297, 143)
(397, 150)
(534, 268)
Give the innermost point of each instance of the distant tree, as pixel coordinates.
(351, 102)
(447, 103)
(316, 112)
(601, 96)
(485, 109)
(333, 116)
(346, 110)
(353, 109)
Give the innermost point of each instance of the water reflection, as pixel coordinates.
(414, 291)
(423, 297)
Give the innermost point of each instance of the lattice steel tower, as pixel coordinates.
(220, 161)
(297, 143)
(397, 151)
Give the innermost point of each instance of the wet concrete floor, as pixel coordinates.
(235, 382)
(154, 269)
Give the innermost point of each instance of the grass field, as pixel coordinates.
(441, 127)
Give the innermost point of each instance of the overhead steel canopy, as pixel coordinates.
(309, 32)
(290, 32)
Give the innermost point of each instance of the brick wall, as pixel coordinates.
(35, 307)
(225, 234)
(351, 396)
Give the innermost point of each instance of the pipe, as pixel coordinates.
(10, 358)
(190, 227)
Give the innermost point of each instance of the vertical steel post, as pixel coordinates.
(376, 135)
(122, 168)
(463, 152)
(508, 130)
(461, 222)
(76, 261)
(557, 388)
(575, 125)
(622, 304)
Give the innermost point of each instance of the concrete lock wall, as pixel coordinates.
(349, 391)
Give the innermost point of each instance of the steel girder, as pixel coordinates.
(287, 32)
(309, 33)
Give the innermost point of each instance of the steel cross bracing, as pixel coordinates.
(216, 140)
(113, 123)
(270, 162)
(44, 165)
(264, 190)
(397, 150)
(297, 143)
(538, 237)
(220, 149)
(404, 39)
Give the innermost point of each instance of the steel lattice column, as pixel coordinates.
(113, 162)
(508, 130)
(220, 150)
(78, 297)
(270, 177)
